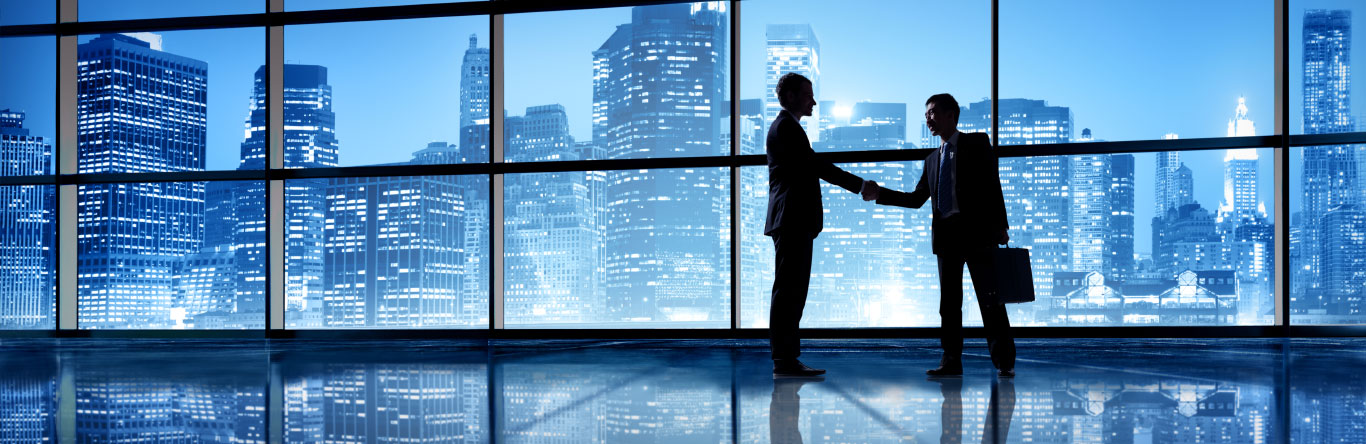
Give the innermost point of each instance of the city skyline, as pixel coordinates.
(631, 263)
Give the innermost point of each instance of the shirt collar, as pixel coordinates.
(953, 140)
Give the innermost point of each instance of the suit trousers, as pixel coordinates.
(999, 340)
(791, 278)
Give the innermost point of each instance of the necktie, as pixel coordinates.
(944, 201)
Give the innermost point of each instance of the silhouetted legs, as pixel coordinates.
(791, 277)
(999, 340)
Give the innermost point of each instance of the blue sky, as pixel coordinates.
(1128, 70)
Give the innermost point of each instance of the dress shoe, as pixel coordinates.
(1006, 373)
(794, 368)
(947, 367)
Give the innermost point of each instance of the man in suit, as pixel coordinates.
(962, 182)
(795, 217)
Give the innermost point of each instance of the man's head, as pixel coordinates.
(795, 94)
(941, 114)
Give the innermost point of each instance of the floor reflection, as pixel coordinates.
(1170, 391)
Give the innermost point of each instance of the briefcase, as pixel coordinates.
(1014, 280)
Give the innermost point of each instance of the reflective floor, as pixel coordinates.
(1094, 391)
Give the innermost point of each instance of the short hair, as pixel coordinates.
(944, 101)
(788, 84)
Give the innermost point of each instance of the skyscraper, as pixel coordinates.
(792, 48)
(392, 252)
(666, 256)
(1120, 240)
(1036, 189)
(1090, 211)
(1164, 180)
(1329, 178)
(755, 249)
(867, 283)
(552, 240)
(473, 147)
(310, 141)
(474, 85)
(1344, 259)
(26, 213)
(139, 110)
(1240, 172)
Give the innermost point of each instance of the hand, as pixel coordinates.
(869, 191)
(1005, 237)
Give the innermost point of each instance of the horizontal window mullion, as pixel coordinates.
(28, 30)
(179, 176)
(316, 16)
(1327, 139)
(1139, 146)
(47, 179)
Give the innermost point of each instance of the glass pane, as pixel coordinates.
(1321, 54)
(657, 86)
(1090, 223)
(305, 5)
(387, 252)
(27, 12)
(431, 399)
(618, 249)
(171, 255)
(92, 10)
(144, 100)
(27, 105)
(1127, 76)
(872, 265)
(1327, 235)
(864, 91)
(216, 396)
(361, 89)
(27, 256)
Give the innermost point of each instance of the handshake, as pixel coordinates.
(869, 191)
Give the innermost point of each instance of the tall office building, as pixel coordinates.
(27, 257)
(1344, 259)
(1090, 211)
(1164, 180)
(1120, 240)
(1240, 172)
(792, 48)
(1036, 189)
(473, 147)
(474, 85)
(1183, 189)
(1329, 178)
(667, 258)
(310, 141)
(755, 249)
(392, 249)
(868, 282)
(551, 235)
(139, 110)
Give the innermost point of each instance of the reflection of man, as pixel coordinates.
(784, 409)
(962, 182)
(996, 426)
(795, 217)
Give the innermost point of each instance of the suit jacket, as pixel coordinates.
(794, 174)
(981, 206)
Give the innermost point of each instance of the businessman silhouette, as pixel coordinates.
(962, 181)
(795, 217)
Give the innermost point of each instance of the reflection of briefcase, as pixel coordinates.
(1014, 280)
